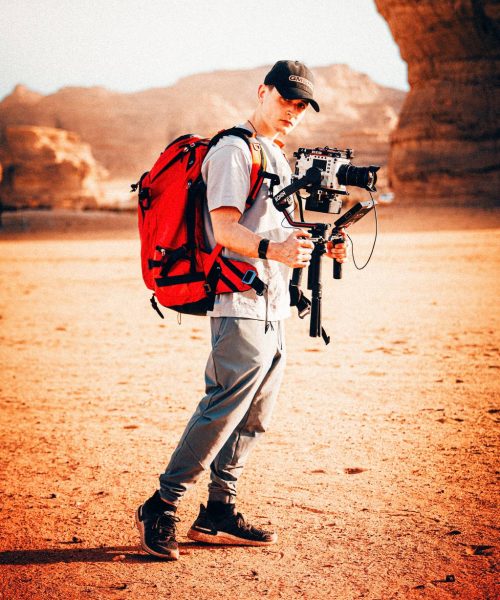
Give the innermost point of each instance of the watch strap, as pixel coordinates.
(263, 246)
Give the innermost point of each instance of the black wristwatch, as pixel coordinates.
(263, 246)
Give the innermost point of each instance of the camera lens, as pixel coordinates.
(363, 177)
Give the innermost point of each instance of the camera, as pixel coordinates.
(331, 171)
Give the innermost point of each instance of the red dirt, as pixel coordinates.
(380, 472)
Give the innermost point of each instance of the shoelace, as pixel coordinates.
(242, 523)
(166, 524)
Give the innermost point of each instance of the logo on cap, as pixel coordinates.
(301, 80)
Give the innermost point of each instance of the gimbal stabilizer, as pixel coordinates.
(320, 237)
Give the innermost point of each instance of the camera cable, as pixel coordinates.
(374, 239)
(359, 268)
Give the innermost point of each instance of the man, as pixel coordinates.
(245, 368)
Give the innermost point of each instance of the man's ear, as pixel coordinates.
(262, 91)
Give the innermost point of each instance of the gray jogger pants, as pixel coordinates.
(243, 377)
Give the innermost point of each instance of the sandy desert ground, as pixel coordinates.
(380, 471)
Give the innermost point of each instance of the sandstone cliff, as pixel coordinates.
(46, 167)
(446, 147)
(127, 131)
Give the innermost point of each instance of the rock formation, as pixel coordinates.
(446, 146)
(127, 131)
(46, 167)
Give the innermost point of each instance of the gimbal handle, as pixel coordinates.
(336, 238)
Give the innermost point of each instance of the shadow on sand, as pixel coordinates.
(128, 554)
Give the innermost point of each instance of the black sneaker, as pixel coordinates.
(228, 529)
(157, 529)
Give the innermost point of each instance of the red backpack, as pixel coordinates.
(182, 272)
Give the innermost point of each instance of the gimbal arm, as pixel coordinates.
(282, 200)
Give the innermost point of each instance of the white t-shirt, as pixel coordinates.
(226, 172)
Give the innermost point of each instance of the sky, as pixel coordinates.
(130, 45)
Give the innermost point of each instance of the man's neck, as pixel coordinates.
(259, 127)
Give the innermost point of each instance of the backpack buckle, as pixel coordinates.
(250, 278)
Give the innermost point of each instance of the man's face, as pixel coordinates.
(280, 115)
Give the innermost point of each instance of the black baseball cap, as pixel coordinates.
(293, 80)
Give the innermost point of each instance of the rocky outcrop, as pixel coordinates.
(446, 147)
(127, 131)
(47, 167)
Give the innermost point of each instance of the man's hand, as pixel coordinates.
(339, 250)
(294, 252)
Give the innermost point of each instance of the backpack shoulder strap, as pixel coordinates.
(259, 160)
